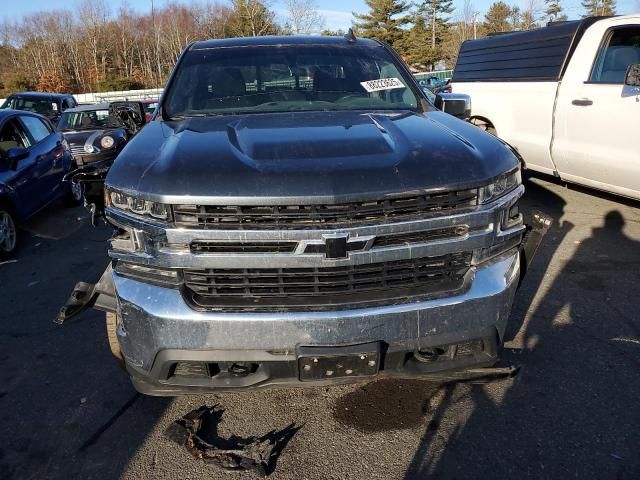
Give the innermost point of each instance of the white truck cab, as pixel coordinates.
(558, 95)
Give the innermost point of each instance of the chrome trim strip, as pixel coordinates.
(483, 222)
(479, 217)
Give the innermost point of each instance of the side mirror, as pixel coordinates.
(456, 104)
(14, 155)
(632, 77)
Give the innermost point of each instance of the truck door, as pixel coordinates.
(596, 139)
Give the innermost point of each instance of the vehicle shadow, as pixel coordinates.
(67, 410)
(572, 411)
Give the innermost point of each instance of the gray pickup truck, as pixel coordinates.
(298, 212)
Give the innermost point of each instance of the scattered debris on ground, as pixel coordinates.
(197, 431)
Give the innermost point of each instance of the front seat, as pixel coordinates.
(227, 89)
(617, 61)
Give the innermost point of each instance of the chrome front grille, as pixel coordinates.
(321, 216)
(77, 150)
(349, 286)
(203, 246)
(225, 264)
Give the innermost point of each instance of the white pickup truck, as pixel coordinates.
(566, 96)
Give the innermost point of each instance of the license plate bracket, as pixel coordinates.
(326, 363)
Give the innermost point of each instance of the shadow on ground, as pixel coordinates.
(60, 392)
(572, 411)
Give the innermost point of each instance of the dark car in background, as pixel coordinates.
(51, 105)
(93, 133)
(33, 161)
(96, 134)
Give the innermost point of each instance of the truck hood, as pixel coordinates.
(307, 157)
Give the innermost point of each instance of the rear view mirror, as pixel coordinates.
(131, 114)
(456, 104)
(632, 77)
(14, 155)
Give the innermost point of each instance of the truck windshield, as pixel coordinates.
(288, 78)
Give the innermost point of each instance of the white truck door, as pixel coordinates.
(597, 120)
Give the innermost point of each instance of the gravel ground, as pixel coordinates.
(67, 411)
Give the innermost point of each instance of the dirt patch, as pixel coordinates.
(388, 404)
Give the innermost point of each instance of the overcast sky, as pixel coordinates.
(336, 12)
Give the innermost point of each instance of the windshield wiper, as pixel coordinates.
(182, 116)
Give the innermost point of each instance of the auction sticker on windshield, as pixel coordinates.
(382, 84)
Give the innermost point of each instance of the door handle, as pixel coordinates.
(584, 102)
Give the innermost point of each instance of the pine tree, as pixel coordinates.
(416, 48)
(424, 44)
(437, 11)
(553, 13)
(599, 7)
(384, 21)
(497, 18)
(251, 18)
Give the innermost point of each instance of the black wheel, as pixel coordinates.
(484, 125)
(75, 194)
(8, 233)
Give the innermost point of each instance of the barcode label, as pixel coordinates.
(382, 84)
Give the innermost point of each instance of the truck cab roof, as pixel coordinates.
(274, 40)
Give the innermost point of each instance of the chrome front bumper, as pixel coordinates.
(157, 328)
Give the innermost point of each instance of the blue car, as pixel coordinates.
(33, 161)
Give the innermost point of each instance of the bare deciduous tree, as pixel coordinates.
(303, 17)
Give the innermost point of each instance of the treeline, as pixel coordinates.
(98, 48)
(428, 33)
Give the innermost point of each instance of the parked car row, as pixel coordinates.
(38, 162)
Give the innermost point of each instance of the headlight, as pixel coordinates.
(502, 185)
(107, 141)
(89, 149)
(138, 206)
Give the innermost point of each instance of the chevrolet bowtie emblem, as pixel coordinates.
(335, 245)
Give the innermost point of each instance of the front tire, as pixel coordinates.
(75, 194)
(485, 125)
(8, 232)
(111, 320)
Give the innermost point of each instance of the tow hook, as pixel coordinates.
(536, 230)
